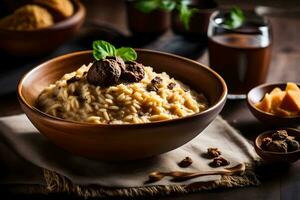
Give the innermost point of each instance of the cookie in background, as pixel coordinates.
(28, 17)
(36, 14)
(25, 24)
(60, 9)
(282, 102)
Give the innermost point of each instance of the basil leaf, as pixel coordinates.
(185, 14)
(127, 53)
(235, 18)
(102, 49)
(167, 5)
(147, 6)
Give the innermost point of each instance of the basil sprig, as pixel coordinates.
(235, 18)
(147, 6)
(102, 49)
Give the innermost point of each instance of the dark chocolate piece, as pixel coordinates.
(76, 93)
(218, 162)
(104, 73)
(134, 72)
(293, 145)
(156, 80)
(213, 152)
(265, 142)
(152, 88)
(185, 162)
(73, 79)
(119, 60)
(171, 86)
(277, 146)
(280, 135)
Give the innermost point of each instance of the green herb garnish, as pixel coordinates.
(102, 49)
(127, 53)
(235, 18)
(185, 13)
(147, 6)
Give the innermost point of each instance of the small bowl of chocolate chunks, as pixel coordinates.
(279, 146)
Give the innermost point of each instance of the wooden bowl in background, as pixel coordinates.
(199, 21)
(276, 157)
(123, 141)
(41, 41)
(147, 25)
(256, 95)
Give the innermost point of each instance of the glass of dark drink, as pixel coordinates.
(240, 55)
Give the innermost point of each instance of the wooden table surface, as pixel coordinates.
(277, 182)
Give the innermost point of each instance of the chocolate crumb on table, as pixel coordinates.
(187, 161)
(218, 162)
(213, 152)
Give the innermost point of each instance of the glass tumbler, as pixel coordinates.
(241, 55)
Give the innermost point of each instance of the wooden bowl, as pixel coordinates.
(41, 41)
(276, 157)
(256, 95)
(123, 141)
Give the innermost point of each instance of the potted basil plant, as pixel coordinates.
(191, 18)
(149, 17)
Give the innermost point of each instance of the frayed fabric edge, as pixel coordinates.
(57, 183)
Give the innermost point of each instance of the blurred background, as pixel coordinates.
(117, 21)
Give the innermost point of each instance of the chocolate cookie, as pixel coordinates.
(104, 73)
(134, 72)
(187, 161)
(119, 60)
(218, 162)
(213, 152)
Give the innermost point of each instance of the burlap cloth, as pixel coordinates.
(67, 173)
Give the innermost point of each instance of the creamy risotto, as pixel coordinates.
(156, 97)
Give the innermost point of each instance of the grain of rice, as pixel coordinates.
(109, 96)
(105, 114)
(121, 97)
(113, 108)
(109, 101)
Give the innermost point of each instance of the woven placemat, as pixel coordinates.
(58, 184)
